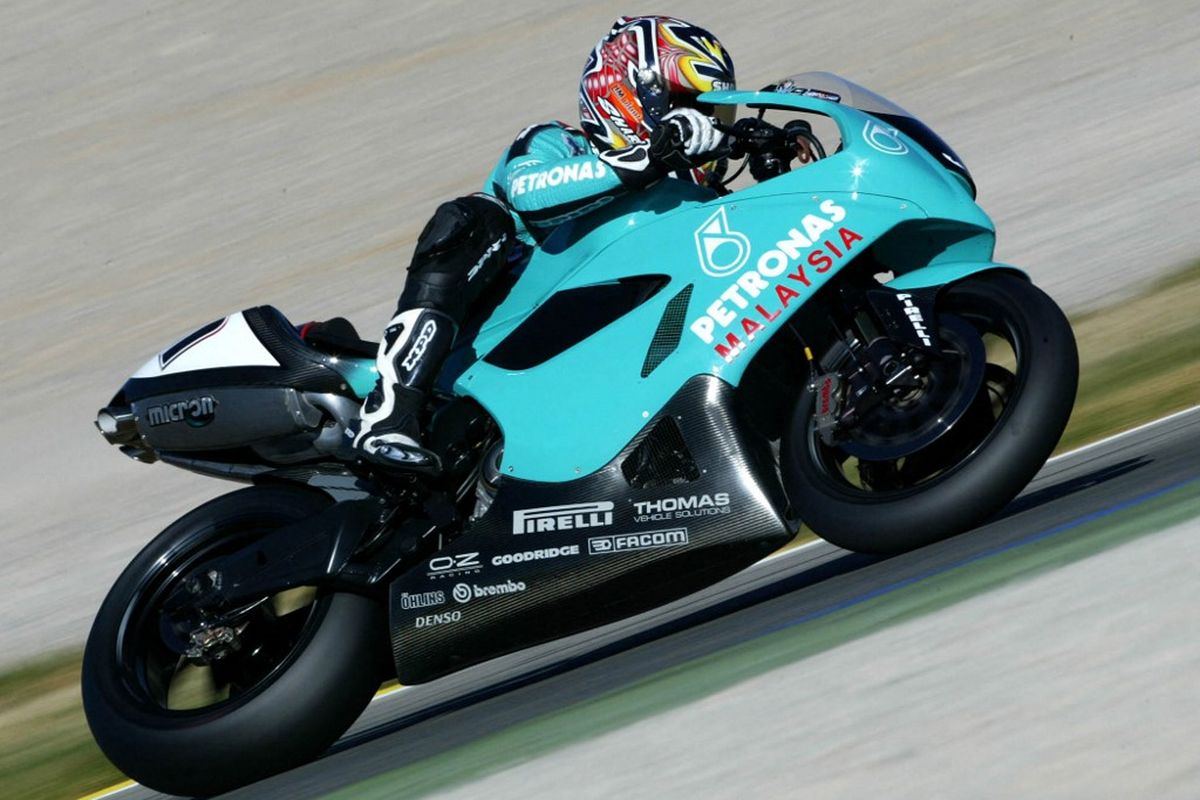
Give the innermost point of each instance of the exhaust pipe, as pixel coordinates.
(117, 425)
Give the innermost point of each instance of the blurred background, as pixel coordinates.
(163, 164)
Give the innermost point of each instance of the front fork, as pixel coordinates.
(884, 340)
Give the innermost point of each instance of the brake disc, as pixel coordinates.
(899, 427)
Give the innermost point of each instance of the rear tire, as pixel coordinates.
(993, 465)
(327, 668)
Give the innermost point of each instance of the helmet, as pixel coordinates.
(643, 68)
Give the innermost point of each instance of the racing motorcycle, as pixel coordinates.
(662, 395)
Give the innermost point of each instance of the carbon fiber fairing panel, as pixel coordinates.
(552, 559)
(300, 367)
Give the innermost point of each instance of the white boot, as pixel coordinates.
(414, 345)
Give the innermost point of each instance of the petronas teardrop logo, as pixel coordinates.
(884, 138)
(721, 250)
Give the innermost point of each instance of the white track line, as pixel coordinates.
(112, 791)
(1122, 434)
(382, 693)
(787, 553)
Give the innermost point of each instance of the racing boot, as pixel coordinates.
(388, 431)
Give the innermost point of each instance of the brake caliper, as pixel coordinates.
(828, 391)
(207, 644)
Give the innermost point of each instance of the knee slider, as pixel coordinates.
(449, 226)
(491, 215)
(463, 221)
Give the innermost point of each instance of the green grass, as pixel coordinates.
(46, 750)
(1140, 360)
(1187, 275)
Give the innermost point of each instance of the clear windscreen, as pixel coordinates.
(836, 89)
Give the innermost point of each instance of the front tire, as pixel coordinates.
(307, 669)
(1013, 424)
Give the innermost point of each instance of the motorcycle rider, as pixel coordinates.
(641, 123)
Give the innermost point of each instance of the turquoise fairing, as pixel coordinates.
(360, 374)
(572, 414)
(942, 274)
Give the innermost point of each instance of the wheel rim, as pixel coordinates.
(915, 421)
(270, 634)
(849, 471)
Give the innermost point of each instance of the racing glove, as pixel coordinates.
(685, 138)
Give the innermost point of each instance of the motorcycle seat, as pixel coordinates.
(308, 362)
(337, 337)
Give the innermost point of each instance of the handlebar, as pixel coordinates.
(769, 147)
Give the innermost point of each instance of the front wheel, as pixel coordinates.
(199, 701)
(944, 457)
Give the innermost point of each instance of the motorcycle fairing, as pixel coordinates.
(246, 379)
(835, 88)
(254, 347)
(225, 342)
(947, 273)
(563, 418)
(467, 605)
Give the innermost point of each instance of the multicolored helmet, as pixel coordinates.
(643, 68)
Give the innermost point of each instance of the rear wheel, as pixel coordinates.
(942, 458)
(196, 702)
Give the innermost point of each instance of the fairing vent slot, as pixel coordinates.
(661, 459)
(670, 329)
(570, 316)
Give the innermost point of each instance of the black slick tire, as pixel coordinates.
(969, 492)
(297, 712)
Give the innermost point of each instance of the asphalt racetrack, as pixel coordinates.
(165, 164)
(1121, 478)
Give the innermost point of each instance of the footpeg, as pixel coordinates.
(405, 459)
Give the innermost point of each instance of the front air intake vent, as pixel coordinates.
(670, 328)
(661, 459)
(568, 317)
